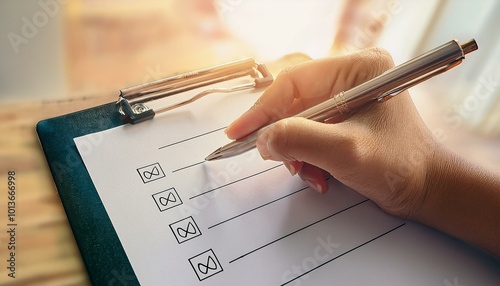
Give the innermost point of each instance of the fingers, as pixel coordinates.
(329, 147)
(312, 175)
(293, 167)
(298, 88)
(299, 139)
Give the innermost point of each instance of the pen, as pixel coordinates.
(378, 89)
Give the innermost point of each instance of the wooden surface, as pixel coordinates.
(46, 252)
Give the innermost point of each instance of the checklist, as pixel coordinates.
(246, 221)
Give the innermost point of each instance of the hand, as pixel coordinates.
(382, 151)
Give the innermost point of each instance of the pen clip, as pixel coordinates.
(404, 86)
(133, 101)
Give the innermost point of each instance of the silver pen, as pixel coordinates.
(378, 89)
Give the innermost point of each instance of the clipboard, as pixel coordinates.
(99, 245)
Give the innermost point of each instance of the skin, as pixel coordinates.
(383, 151)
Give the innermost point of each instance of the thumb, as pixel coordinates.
(300, 139)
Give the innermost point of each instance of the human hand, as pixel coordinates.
(382, 151)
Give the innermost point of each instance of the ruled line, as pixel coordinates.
(338, 256)
(256, 208)
(192, 165)
(239, 180)
(191, 138)
(298, 230)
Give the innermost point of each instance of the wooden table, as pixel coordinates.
(46, 252)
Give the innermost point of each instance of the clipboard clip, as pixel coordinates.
(133, 101)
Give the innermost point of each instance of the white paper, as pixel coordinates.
(245, 221)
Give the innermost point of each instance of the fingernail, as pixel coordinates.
(291, 168)
(315, 186)
(262, 146)
(228, 127)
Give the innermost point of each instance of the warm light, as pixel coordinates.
(277, 28)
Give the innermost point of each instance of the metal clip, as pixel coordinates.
(132, 102)
(393, 92)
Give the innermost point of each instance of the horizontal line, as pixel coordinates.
(191, 138)
(192, 165)
(300, 229)
(239, 180)
(338, 256)
(12, 224)
(251, 210)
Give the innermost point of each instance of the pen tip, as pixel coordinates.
(214, 155)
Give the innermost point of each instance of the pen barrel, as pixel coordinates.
(389, 83)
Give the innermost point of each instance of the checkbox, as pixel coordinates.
(185, 229)
(151, 173)
(205, 264)
(167, 199)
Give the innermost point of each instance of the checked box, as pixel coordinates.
(185, 229)
(205, 264)
(151, 173)
(167, 199)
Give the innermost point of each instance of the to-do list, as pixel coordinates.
(246, 221)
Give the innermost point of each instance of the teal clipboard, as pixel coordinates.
(100, 247)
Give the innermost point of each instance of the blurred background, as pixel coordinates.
(55, 49)
(61, 56)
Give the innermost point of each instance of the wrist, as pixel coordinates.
(412, 196)
(461, 199)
